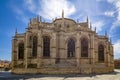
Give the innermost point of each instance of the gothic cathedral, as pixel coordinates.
(60, 47)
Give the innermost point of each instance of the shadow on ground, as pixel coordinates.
(10, 76)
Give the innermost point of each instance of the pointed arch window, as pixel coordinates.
(34, 47)
(84, 47)
(71, 48)
(46, 46)
(30, 41)
(21, 51)
(101, 53)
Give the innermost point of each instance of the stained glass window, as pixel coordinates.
(84, 47)
(71, 48)
(46, 46)
(30, 41)
(100, 53)
(21, 51)
(34, 47)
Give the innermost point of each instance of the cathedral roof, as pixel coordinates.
(64, 19)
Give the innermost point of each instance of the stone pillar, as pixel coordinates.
(105, 54)
(57, 47)
(53, 48)
(112, 56)
(109, 55)
(39, 50)
(61, 46)
(95, 49)
(92, 49)
(14, 52)
(90, 55)
(26, 49)
(78, 50)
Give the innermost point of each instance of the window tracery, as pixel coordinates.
(46, 46)
(34, 47)
(101, 53)
(21, 51)
(71, 48)
(84, 47)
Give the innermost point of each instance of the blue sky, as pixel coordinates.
(103, 14)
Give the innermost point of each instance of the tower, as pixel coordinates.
(62, 13)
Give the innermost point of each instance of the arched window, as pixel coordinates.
(46, 46)
(34, 47)
(21, 51)
(84, 47)
(71, 48)
(101, 53)
(30, 41)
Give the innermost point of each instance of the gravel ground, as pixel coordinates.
(111, 76)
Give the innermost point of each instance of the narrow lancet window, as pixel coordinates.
(84, 47)
(71, 48)
(101, 53)
(46, 46)
(21, 51)
(34, 47)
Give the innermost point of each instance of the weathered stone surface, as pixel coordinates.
(60, 59)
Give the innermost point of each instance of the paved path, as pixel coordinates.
(111, 76)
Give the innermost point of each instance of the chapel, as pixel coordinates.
(60, 47)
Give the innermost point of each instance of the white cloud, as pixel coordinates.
(113, 28)
(19, 14)
(50, 8)
(116, 22)
(117, 47)
(98, 25)
(109, 13)
(99, 0)
(116, 3)
(111, 1)
(30, 5)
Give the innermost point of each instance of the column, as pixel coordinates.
(39, 50)
(61, 46)
(78, 50)
(92, 50)
(14, 52)
(57, 47)
(53, 48)
(26, 49)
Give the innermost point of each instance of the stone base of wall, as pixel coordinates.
(67, 70)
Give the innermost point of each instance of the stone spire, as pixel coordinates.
(16, 31)
(62, 13)
(95, 29)
(30, 20)
(90, 26)
(110, 40)
(87, 19)
(37, 18)
(40, 19)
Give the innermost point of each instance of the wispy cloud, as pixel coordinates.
(116, 3)
(115, 14)
(20, 15)
(79, 9)
(109, 13)
(98, 24)
(50, 8)
(117, 47)
(31, 6)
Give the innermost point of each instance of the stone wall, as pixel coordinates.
(67, 70)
